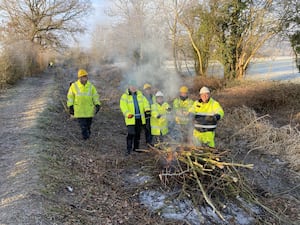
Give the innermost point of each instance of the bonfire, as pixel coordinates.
(203, 173)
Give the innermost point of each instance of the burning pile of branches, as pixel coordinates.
(204, 174)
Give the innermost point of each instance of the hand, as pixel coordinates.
(129, 116)
(217, 117)
(97, 108)
(71, 110)
(158, 116)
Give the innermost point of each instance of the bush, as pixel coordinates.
(18, 60)
(211, 82)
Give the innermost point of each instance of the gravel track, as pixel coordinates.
(20, 108)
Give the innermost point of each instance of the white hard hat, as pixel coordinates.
(204, 90)
(159, 94)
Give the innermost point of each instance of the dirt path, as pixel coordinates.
(19, 109)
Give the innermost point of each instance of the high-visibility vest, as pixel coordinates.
(127, 107)
(152, 97)
(204, 113)
(83, 98)
(159, 126)
(181, 109)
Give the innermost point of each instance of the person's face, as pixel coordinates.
(183, 94)
(148, 91)
(132, 88)
(159, 99)
(205, 97)
(83, 79)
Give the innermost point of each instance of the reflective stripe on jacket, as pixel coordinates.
(159, 126)
(127, 106)
(204, 114)
(83, 98)
(181, 109)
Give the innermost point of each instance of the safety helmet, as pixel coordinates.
(82, 73)
(204, 90)
(183, 89)
(159, 94)
(146, 86)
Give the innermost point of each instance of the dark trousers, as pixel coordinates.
(134, 136)
(148, 135)
(85, 126)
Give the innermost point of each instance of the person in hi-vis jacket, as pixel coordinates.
(135, 108)
(83, 102)
(206, 112)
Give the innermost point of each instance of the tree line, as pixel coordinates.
(229, 31)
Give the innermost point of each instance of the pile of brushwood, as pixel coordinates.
(206, 175)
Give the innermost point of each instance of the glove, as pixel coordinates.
(158, 116)
(97, 108)
(217, 117)
(71, 110)
(129, 116)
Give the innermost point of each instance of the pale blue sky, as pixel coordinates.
(97, 16)
(100, 6)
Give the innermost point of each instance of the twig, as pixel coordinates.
(203, 191)
(175, 174)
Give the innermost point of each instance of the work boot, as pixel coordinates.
(127, 153)
(136, 145)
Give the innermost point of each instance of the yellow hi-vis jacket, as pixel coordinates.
(181, 109)
(127, 106)
(83, 98)
(153, 98)
(208, 109)
(159, 126)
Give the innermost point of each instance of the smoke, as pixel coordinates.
(137, 42)
(146, 63)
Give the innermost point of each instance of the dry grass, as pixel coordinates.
(92, 170)
(95, 169)
(279, 100)
(243, 123)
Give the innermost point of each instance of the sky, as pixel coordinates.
(97, 16)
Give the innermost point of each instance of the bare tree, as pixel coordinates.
(199, 21)
(140, 29)
(172, 11)
(103, 47)
(47, 23)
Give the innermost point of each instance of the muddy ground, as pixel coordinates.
(50, 176)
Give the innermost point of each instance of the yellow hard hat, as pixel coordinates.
(82, 73)
(183, 89)
(146, 86)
